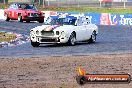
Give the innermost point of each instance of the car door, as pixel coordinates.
(15, 11)
(87, 27)
(80, 30)
(9, 11)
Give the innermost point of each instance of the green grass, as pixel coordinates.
(88, 9)
(5, 37)
(82, 9)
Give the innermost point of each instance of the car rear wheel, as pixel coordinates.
(35, 44)
(6, 17)
(72, 40)
(20, 18)
(93, 37)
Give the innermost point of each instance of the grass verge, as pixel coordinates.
(6, 37)
(89, 9)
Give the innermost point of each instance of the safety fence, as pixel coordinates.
(78, 3)
(90, 3)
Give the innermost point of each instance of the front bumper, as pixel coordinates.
(25, 18)
(49, 40)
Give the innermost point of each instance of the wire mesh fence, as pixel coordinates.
(90, 3)
(78, 3)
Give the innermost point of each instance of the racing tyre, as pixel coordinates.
(93, 37)
(81, 80)
(72, 40)
(6, 17)
(35, 44)
(20, 18)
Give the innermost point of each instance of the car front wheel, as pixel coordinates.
(35, 44)
(20, 18)
(93, 37)
(6, 17)
(72, 40)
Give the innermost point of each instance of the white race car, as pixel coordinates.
(68, 29)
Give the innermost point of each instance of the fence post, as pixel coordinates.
(78, 3)
(43, 3)
(58, 4)
(48, 2)
(39, 2)
(100, 3)
(5, 1)
(124, 4)
(67, 1)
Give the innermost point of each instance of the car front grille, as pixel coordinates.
(48, 40)
(47, 33)
(34, 14)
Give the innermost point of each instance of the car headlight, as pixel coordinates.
(37, 32)
(28, 14)
(25, 14)
(57, 33)
(32, 33)
(63, 34)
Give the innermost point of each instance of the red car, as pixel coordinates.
(23, 12)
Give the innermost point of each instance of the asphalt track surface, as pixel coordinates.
(110, 40)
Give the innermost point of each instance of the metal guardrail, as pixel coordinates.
(89, 3)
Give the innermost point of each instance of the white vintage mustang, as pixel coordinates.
(68, 29)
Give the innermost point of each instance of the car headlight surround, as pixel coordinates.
(63, 34)
(32, 33)
(57, 32)
(37, 32)
(25, 14)
(28, 14)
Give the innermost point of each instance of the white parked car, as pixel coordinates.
(68, 29)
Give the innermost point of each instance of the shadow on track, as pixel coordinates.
(65, 45)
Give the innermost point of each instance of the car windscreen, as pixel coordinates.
(62, 21)
(26, 6)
